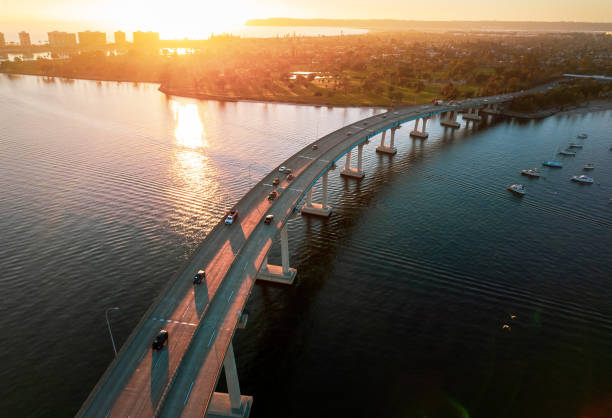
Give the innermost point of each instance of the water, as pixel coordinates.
(401, 295)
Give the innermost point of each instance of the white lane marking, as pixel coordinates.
(230, 296)
(174, 321)
(211, 338)
(188, 393)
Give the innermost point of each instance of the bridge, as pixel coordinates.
(181, 379)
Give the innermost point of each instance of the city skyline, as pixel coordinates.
(192, 19)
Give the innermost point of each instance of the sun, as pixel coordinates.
(177, 19)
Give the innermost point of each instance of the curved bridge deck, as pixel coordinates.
(201, 320)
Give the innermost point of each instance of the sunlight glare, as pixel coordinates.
(194, 19)
(189, 131)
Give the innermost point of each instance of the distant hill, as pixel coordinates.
(422, 25)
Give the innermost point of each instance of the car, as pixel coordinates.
(276, 181)
(290, 177)
(231, 217)
(315, 147)
(200, 275)
(287, 171)
(269, 219)
(282, 169)
(160, 339)
(272, 195)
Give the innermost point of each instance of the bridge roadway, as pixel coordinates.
(201, 320)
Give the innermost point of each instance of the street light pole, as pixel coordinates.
(109, 328)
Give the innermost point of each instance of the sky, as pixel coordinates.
(185, 18)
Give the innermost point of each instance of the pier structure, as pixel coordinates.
(318, 209)
(387, 149)
(421, 134)
(450, 121)
(358, 172)
(281, 274)
(472, 115)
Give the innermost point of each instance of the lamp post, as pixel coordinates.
(109, 328)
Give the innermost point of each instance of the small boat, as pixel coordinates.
(531, 172)
(588, 166)
(568, 153)
(582, 179)
(582, 136)
(573, 145)
(555, 164)
(518, 189)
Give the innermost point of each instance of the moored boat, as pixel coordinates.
(567, 153)
(517, 189)
(582, 179)
(554, 164)
(531, 172)
(582, 136)
(588, 166)
(573, 145)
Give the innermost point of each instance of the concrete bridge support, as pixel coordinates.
(279, 274)
(451, 120)
(231, 404)
(472, 114)
(422, 134)
(382, 148)
(357, 173)
(322, 209)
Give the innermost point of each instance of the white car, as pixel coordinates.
(282, 169)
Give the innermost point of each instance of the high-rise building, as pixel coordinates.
(24, 39)
(2, 40)
(146, 38)
(119, 37)
(62, 39)
(88, 38)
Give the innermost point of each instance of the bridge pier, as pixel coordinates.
(231, 404)
(451, 120)
(358, 173)
(472, 114)
(279, 274)
(317, 209)
(422, 134)
(382, 148)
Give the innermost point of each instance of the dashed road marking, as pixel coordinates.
(173, 321)
(211, 338)
(188, 393)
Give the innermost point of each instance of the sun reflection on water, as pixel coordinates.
(196, 187)
(189, 131)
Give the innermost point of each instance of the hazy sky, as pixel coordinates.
(181, 17)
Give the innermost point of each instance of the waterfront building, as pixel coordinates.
(146, 38)
(89, 38)
(24, 39)
(119, 37)
(61, 39)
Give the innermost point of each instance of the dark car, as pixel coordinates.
(269, 219)
(160, 340)
(201, 275)
(272, 195)
(290, 177)
(275, 181)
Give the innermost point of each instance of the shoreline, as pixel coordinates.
(274, 100)
(585, 107)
